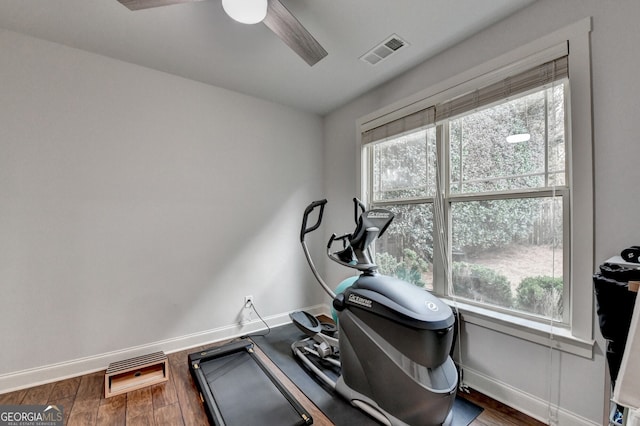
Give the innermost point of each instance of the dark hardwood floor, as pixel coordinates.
(177, 401)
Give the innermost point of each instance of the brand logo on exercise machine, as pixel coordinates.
(378, 215)
(353, 298)
(432, 306)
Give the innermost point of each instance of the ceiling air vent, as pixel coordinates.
(384, 49)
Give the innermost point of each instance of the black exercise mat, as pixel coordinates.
(277, 346)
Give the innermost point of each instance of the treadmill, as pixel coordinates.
(237, 388)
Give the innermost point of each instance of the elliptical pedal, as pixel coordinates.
(306, 323)
(329, 328)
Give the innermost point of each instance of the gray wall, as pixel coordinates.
(139, 207)
(575, 383)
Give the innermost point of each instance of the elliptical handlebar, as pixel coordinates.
(357, 203)
(347, 256)
(310, 208)
(334, 237)
(304, 231)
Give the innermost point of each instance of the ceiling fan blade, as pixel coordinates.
(290, 30)
(147, 4)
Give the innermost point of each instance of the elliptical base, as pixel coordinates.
(371, 408)
(428, 392)
(303, 350)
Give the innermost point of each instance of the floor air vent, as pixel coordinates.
(384, 49)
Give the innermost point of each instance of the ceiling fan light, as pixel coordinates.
(246, 11)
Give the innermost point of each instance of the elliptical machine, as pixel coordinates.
(393, 339)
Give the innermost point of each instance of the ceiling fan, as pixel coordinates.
(272, 12)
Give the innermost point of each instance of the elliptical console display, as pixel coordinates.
(393, 339)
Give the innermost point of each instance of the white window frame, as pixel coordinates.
(578, 339)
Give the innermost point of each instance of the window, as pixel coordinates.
(506, 196)
(480, 190)
(546, 182)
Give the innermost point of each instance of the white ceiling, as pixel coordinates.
(198, 41)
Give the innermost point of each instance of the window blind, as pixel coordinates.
(401, 125)
(532, 78)
(535, 77)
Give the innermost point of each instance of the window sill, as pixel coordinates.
(543, 334)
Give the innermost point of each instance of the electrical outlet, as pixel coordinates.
(248, 301)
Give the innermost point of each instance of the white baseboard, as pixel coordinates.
(64, 370)
(524, 402)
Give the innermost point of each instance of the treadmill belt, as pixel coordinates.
(239, 390)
